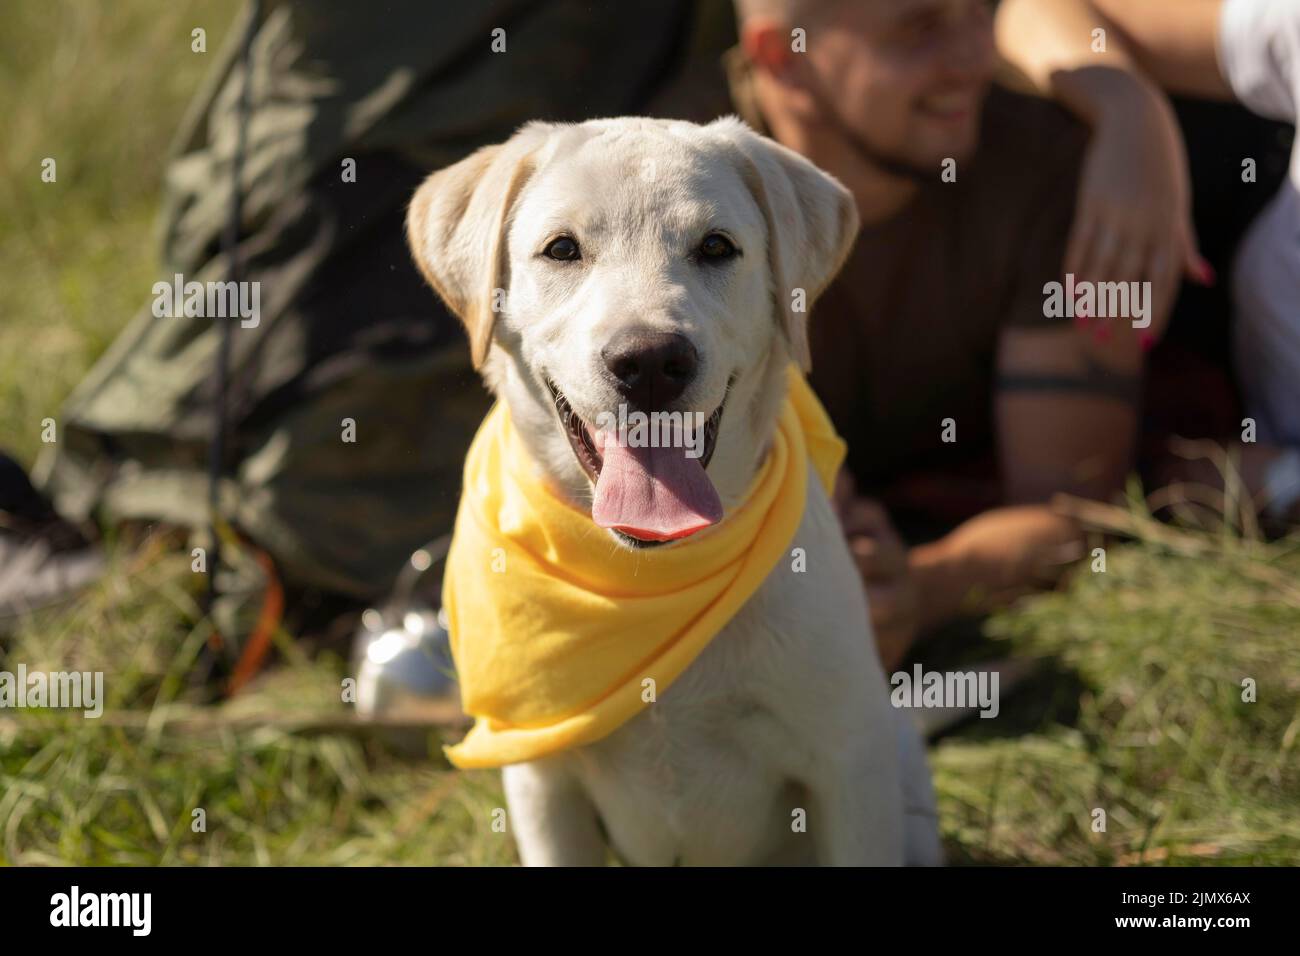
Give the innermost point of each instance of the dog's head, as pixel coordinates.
(633, 289)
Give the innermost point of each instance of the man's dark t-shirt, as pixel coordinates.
(907, 334)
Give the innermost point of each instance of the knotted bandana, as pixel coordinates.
(560, 635)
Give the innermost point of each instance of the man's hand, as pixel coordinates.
(984, 563)
(882, 559)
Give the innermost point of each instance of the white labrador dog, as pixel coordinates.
(661, 264)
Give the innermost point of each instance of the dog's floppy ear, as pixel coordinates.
(812, 223)
(456, 227)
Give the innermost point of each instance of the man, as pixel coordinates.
(964, 396)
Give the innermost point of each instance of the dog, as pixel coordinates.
(670, 266)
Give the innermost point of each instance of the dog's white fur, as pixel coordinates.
(784, 718)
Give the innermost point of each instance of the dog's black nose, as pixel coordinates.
(651, 369)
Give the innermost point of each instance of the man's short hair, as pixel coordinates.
(787, 11)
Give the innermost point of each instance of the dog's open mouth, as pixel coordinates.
(651, 486)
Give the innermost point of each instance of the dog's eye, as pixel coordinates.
(716, 247)
(563, 249)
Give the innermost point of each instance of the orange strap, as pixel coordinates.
(254, 653)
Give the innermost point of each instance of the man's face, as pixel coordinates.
(907, 77)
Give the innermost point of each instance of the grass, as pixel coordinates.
(100, 88)
(1158, 735)
(1136, 710)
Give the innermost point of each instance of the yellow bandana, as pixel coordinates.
(554, 627)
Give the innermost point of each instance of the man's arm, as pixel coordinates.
(1066, 410)
(1067, 422)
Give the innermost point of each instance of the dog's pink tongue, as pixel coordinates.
(655, 494)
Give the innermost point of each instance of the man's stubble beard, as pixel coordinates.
(901, 167)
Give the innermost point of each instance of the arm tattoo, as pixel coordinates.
(1096, 379)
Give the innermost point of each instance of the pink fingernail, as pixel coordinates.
(1206, 274)
(1147, 341)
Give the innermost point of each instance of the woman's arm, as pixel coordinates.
(1052, 43)
(1175, 42)
(1172, 42)
(1133, 218)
